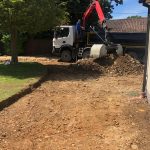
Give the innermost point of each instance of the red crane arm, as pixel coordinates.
(95, 5)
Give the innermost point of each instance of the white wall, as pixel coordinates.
(148, 72)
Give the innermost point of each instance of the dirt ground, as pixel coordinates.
(76, 110)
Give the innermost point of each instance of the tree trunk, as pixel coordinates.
(14, 55)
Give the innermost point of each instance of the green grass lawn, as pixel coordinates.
(13, 78)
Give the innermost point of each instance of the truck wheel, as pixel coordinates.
(86, 54)
(66, 56)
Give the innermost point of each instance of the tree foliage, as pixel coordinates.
(28, 16)
(76, 8)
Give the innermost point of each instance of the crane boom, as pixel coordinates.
(95, 5)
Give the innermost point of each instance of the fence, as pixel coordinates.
(38, 47)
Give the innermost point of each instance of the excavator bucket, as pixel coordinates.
(101, 50)
(98, 51)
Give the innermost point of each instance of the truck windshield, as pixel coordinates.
(61, 32)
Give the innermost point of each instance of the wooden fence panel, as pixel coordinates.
(38, 47)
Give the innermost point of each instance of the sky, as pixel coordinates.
(129, 8)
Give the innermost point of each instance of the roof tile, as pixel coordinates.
(132, 25)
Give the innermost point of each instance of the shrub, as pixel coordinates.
(6, 40)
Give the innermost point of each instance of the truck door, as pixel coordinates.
(61, 37)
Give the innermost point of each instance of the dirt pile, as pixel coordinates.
(122, 65)
(125, 65)
(89, 65)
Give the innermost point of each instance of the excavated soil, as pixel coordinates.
(78, 110)
(122, 65)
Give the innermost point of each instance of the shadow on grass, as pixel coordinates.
(22, 70)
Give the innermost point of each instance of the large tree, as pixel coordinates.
(30, 16)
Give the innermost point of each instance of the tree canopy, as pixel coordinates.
(76, 8)
(28, 16)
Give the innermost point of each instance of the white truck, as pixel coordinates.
(68, 45)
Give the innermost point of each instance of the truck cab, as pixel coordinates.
(64, 41)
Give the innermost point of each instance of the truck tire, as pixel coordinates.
(66, 56)
(86, 54)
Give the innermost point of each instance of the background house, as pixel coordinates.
(131, 34)
(129, 31)
(129, 25)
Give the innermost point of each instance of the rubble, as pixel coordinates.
(121, 65)
(89, 65)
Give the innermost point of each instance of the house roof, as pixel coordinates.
(132, 25)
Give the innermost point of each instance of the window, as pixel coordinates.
(62, 32)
